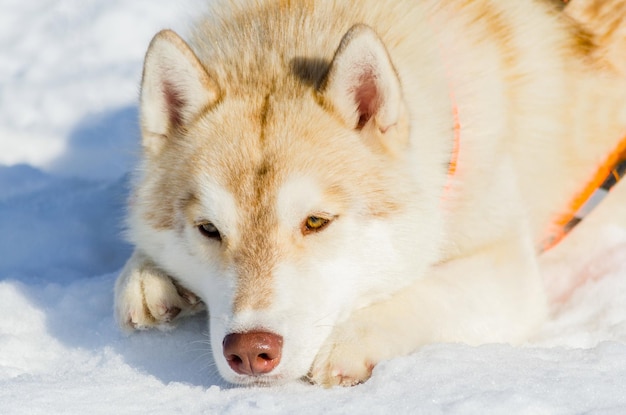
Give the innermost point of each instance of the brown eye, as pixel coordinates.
(314, 224)
(208, 230)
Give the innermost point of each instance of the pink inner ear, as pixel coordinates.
(174, 103)
(367, 97)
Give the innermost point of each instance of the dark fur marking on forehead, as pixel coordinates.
(265, 108)
(263, 170)
(310, 71)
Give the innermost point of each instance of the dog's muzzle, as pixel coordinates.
(252, 353)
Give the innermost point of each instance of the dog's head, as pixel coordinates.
(284, 204)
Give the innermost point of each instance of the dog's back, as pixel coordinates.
(605, 21)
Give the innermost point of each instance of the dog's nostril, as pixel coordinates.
(235, 359)
(252, 353)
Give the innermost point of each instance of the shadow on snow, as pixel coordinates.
(61, 242)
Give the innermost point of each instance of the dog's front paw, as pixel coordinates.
(146, 297)
(343, 360)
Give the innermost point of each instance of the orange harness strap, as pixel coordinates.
(456, 144)
(608, 174)
(612, 170)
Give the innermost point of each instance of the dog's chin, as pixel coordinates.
(263, 380)
(279, 377)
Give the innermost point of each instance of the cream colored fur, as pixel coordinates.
(603, 19)
(278, 111)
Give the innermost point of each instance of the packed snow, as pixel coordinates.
(69, 75)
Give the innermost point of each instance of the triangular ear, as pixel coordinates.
(362, 84)
(175, 88)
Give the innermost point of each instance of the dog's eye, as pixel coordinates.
(314, 224)
(209, 230)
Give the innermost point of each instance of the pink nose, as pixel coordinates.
(253, 353)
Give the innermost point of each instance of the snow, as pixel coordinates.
(69, 74)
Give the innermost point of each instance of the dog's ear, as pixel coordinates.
(175, 88)
(362, 85)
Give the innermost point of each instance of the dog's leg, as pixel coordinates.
(494, 295)
(146, 297)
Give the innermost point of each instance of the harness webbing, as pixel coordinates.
(607, 175)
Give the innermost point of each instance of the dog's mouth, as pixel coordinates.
(259, 380)
(274, 378)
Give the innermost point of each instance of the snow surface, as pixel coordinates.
(69, 73)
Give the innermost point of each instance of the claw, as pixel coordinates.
(187, 295)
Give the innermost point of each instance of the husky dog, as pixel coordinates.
(342, 182)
